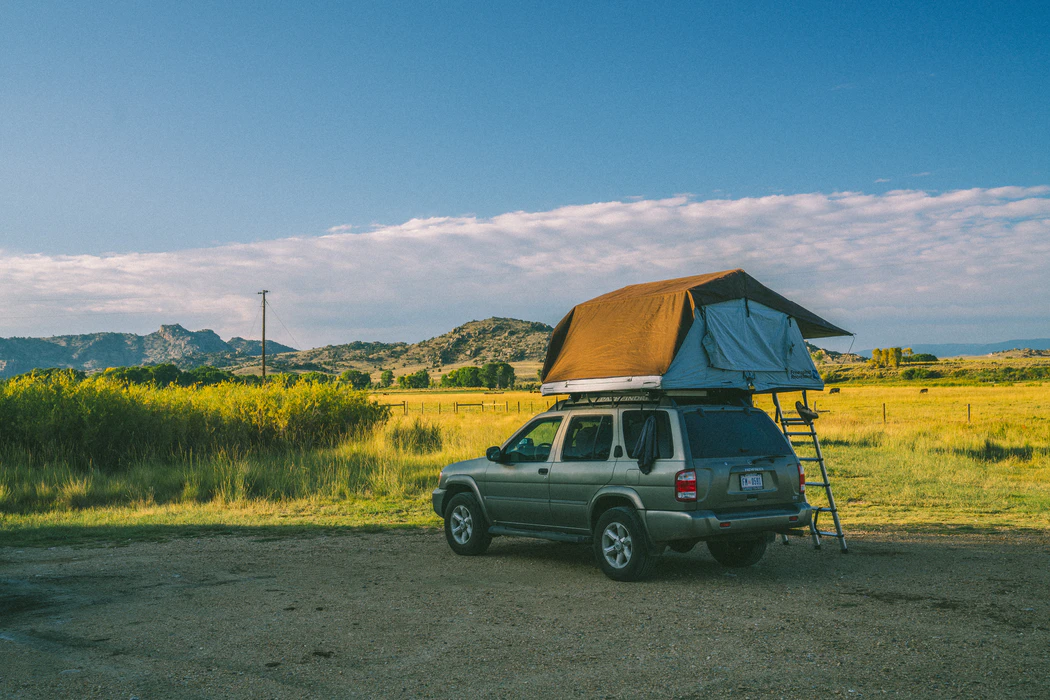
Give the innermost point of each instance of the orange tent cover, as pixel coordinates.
(637, 330)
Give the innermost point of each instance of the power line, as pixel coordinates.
(294, 339)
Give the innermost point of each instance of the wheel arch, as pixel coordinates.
(613, 497)
(463, 484)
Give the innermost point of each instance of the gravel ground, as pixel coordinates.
(397, 614)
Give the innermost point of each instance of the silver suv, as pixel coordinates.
(632, 476)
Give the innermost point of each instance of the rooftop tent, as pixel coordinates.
(720, 330)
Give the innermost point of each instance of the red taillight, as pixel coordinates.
(685, 485)
(801, 479)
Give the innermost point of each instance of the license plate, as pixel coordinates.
(750, 482)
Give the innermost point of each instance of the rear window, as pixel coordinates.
(734, 433)
(632, 427)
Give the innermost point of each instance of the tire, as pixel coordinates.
(621, 546)
(465, 528)
(737, 554)
(682, 546)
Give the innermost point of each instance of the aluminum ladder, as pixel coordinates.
(801, 428)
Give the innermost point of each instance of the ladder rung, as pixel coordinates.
(821, 484)
(792, 433)
(794, 421)
(825, 509)
(830, 534)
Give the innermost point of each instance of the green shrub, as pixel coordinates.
(103, 422)
(418, 437)
(919, 373)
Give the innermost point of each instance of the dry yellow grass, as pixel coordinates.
(926, 466)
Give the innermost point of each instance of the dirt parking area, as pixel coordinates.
(398, 615)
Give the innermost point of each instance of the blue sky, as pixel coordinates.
(141, 134)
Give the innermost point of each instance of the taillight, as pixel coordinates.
(801, 479)
(685, 485)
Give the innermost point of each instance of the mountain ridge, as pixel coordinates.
(97, 351)
(475, 342)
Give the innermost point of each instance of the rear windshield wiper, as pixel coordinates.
(767, 458)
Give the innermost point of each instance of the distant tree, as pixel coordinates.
(469, 376)
(206, 375)
(165, 375)
(416, 380)
(895, 356)
(318, 377)
(386, 378)
(356, 378)
(497, 374)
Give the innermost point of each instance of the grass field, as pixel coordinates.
(925, 467)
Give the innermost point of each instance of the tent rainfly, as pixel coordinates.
(723, 330)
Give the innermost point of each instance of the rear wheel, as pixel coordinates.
(465, 529)
(737, 554)
(620, 546)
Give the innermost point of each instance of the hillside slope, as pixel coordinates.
(97, 351)
(476, 342)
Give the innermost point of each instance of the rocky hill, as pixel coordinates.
(97, 351)
(477, 342)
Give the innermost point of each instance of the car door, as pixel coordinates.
(516, 490)
(584, 465)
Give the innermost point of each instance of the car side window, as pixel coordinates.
(632, 428)
(533, 442)
(588, 439)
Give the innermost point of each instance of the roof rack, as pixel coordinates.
(668, 398)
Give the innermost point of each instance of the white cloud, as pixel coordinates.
(904, 266)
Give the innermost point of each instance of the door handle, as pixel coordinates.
(544, 470)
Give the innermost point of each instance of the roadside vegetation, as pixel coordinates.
(100, 452)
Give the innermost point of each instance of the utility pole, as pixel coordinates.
(263, 292)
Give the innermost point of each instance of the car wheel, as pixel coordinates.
(737, 554)
(682, 546)
(465, 529)
(620, 546)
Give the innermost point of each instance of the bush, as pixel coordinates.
(106, 423)
(920, 357)
(920, 373)
(416, 380)
(418, 437)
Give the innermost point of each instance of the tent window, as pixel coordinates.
(589, 439)
(632, 428)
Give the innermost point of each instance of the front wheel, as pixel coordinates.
(620, 546)
(737, 554)
(465, 529)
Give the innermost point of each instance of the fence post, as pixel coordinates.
(404, 405)
(519, 407)
(420, 408)
(455, 406)
(439, 408)
(883, 413)
(967, 413)
(507, 407)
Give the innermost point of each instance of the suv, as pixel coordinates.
(633, 476)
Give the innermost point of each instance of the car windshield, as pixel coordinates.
(729, 432)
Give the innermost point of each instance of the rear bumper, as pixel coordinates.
(669, 525)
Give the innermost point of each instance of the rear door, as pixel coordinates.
(585, 464)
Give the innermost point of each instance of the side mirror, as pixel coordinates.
(494, 454)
